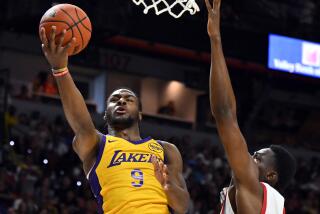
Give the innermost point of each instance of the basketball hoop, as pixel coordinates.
(185, 5)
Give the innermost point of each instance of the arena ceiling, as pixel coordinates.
(245, 24)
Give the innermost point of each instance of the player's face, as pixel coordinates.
(122, 109)
(264, 158)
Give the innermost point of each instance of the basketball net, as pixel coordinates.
(185, 5)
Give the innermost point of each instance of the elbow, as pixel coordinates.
(223, 110)
(185, 209)
(182, 209)
(222, 114)
(183, 206)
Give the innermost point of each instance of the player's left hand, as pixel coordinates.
(161, 172)
(54, 51)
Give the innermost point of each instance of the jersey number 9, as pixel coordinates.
(137, 175)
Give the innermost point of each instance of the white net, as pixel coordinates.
(162, 6)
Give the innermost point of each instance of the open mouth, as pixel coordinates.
(121, 110)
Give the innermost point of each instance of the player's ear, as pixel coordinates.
(272, 177)
(140, 116)
(105, 115)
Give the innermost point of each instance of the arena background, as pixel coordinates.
(166, 61)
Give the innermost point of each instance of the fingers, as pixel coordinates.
(76, 49)
(161, 171)
(43, 37)
(165, 172)
(165, 169)
(216, 4)
(44, 49)
(70, 43)
(161, 165)
(209, 8)
(214, 8)
(61, 38)
(158, 164)
(44, 40)
(155, 163)
(154, 160)
(165, 177)
(52, 42)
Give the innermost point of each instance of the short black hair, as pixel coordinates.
(285, 165)
(129, 89)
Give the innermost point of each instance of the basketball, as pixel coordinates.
(74, 20)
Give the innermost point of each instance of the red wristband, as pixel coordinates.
(60, 72)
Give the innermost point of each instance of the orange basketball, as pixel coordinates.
(71, 18)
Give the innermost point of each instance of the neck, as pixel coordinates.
(131, 133)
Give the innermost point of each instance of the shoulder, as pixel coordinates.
(267, 188)
(273, 201)
(168, 147)
(171, 152)
(95, 139)
(88, 146)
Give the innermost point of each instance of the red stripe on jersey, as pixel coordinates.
(264, 203)
(284, 210)
(223, 205)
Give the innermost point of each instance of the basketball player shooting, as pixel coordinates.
(127, 174)
(256, 180)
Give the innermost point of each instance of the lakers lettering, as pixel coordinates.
(122, 157)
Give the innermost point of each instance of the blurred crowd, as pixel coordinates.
(207, 172)
(42, 84)
(39, 172)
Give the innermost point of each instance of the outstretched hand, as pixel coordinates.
(161, 172)
(213, 18)
(56, 54)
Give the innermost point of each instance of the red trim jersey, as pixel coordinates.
(273, 202)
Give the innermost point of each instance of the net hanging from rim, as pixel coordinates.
(162, 6)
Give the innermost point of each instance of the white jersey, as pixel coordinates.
(273, 202)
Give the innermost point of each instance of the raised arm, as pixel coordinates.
(223, 106)
(75, 109)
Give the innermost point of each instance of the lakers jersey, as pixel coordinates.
(123, 179)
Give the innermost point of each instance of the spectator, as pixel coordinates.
(10, 120)
(38, 82)
(168, 109)
(49, 86)
(24, 93)
(30, 185)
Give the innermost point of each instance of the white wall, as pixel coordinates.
(185, 99)
(116, 80)
(156, 93)
(23, 67)
(150, 95)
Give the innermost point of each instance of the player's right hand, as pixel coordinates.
(213, 26)
(161, 172)
(56, 54)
